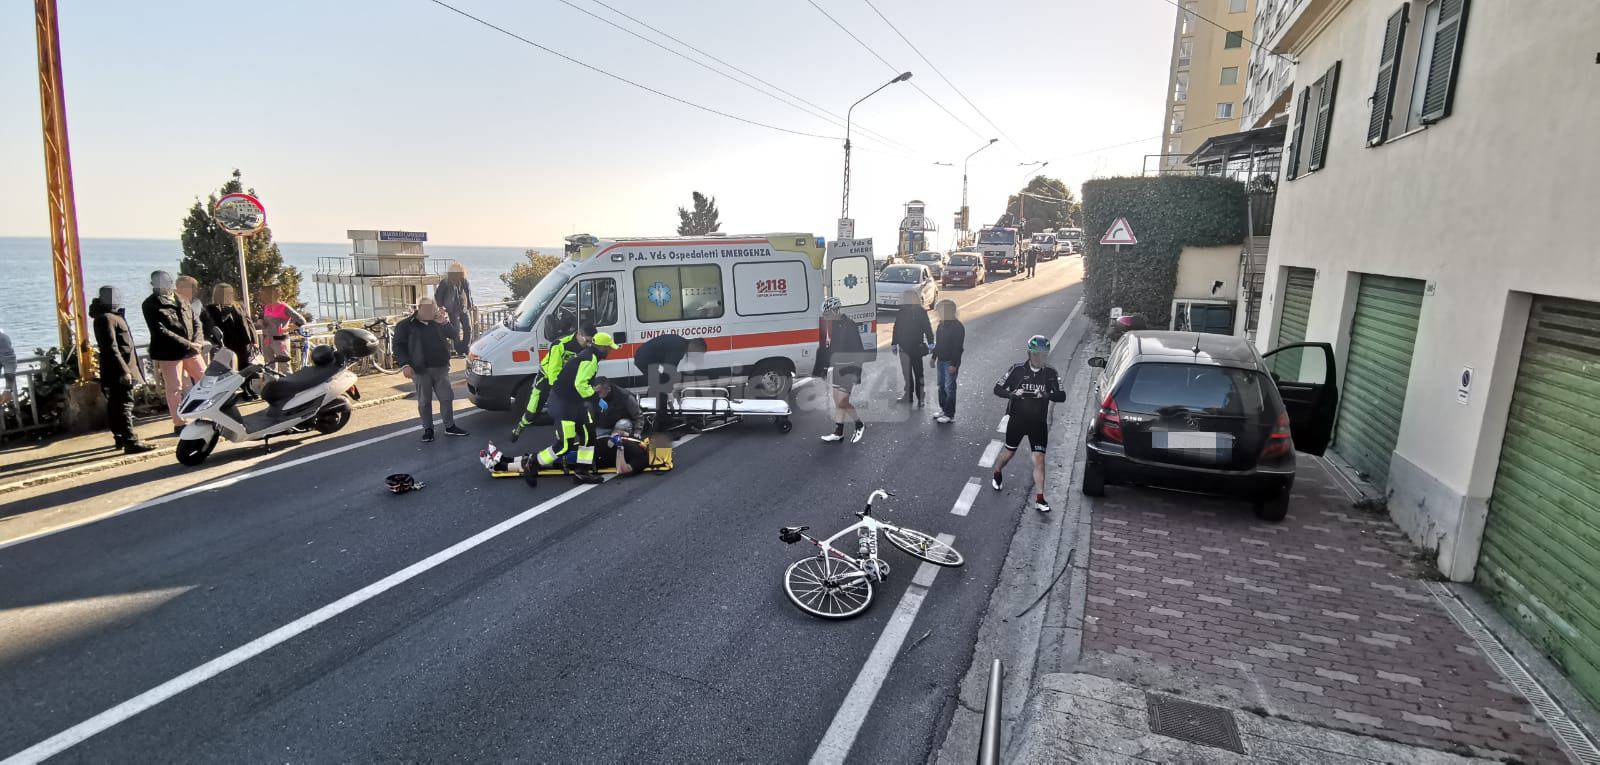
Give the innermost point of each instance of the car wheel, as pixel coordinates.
(1094, 479)
(1272, 508)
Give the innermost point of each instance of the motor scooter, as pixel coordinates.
(316, 396)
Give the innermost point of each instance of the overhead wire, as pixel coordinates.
(1196, 14)
(833, 115)
(894, 68)
(625, 80)
(935, 69)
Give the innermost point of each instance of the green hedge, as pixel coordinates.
(1166, 213)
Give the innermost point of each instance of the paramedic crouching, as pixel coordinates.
(616, 406)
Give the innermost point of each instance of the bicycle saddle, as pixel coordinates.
(791, 534)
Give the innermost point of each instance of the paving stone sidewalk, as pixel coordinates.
(1321, 619)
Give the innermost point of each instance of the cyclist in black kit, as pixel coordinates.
(1029, 386)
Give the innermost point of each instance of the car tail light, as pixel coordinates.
(1281, 442)
(1109, 421)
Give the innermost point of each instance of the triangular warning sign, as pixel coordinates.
(1119, 233)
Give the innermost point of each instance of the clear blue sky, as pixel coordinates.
(400, 114)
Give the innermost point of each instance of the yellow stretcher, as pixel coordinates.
(660, 462)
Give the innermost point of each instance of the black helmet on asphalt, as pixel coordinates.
(400, 483)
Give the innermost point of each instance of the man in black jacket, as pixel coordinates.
(119, 367)
(912, 334)
(422, 348)
(174, 341)
(1029, 387)
(658, 360)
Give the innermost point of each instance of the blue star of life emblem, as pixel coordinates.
(850, 281)
(659, 294)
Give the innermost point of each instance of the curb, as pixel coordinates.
(162, 451)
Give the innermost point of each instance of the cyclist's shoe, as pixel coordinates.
(860, 433)
(1041, 505)
(994, 480)
(833, 438)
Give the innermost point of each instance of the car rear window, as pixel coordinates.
(963, 260)
(1211, 390)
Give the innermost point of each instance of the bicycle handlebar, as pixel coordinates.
(874, 496)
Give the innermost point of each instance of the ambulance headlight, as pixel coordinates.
(480, 367)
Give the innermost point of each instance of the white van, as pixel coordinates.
(756, 301)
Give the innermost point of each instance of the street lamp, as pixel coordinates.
(844, 207)
(1022, 196)
(964, 222)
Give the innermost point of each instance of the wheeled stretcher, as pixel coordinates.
(705, 409)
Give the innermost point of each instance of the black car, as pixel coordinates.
(1203, 412)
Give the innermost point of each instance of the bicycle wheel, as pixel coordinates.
(827, 587)
(923, 547)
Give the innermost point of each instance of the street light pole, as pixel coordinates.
(964, 221)
(844, 206)
(1022, 196)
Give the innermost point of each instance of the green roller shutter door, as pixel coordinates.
(1541, 545)
(1376, 369)
(1293, 316)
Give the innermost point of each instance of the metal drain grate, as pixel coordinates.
(1195, 723)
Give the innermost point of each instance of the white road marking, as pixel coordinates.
(852, 713)
(969, 493)
(1055, 339)
(219, 483)
(1001, 428)
(990, 454)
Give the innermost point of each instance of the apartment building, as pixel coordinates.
(1205, 90)
(1437, 222)
(1270, 74)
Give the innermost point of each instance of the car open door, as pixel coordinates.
(1309, 386)
(850, 277)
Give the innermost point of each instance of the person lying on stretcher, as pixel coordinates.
(622, 451)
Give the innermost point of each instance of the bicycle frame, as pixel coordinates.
(867, 521)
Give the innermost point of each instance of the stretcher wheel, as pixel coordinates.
(784, 425)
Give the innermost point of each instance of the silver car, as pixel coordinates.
(906, 284)
(935, 261)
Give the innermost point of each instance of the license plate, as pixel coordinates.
(1189, 439)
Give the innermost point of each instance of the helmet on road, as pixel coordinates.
(1038, 344)
(400, 483)
(831, 303)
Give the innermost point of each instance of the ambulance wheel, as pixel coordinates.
(784, 425)
(770, 379)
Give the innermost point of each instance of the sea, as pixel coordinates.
(27, 294)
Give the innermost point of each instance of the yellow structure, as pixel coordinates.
(67, 262)
(1209, 66)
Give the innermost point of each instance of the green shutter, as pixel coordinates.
(1293, 315)
(1394, 43)
(1541, 547)
(1298, 135)
(1376, 370)
(1440, 91)
(1327, 91)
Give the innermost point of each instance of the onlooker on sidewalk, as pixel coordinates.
(912, 333)
(950, 341)
(188, 290)
(8, 368)
(839, 347)
(174, 340)
(277, 319)
(1031, 260)
(119, 367)
(422, 348)
(658, 360)
(454, 297)
(1029, 387)
(229, 328)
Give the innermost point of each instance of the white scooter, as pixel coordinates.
(317, 396)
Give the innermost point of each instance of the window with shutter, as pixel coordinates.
(1327, 88)
(1445, 61)
(1394, 40)
(1297, 136)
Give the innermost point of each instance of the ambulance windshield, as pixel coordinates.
(533, 305)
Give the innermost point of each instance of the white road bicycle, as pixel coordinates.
(834, 585)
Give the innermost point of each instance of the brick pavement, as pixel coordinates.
(1319, 619)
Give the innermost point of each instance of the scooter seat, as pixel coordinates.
(284, 388)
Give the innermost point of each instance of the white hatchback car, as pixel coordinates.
(907, 284)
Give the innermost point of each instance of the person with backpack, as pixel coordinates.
(1029, 387)
(839, 349)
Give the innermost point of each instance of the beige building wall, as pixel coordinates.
(1196, 83)
(1200, 268)
(1490, 206)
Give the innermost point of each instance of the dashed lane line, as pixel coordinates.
(969, 494)
(990, 454)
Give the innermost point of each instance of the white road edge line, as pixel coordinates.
(81, 732)
(841, 735)
(990, 454)
(1001, 428)
(220, 483)
(969, 494)
(1055, 339)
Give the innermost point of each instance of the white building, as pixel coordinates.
(1444, 235)
(384, 274)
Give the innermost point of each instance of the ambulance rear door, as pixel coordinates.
(850, 277)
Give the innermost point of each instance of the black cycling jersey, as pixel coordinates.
(1029, 391)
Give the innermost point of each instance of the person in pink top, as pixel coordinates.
(277, 319)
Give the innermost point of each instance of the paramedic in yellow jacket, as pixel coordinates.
(549, 369)
(572, 396)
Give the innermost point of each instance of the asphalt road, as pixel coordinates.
(305, 614)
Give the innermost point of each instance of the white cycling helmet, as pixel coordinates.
(831, 303)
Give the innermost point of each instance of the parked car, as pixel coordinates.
(964, 269)
(906, 284)
(1202, 412)
(933, 260)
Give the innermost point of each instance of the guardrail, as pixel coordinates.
(19, 408)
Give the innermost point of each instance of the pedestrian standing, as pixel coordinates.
(950, 340)
(839, 348)
(1029, 387)
(658, 360)
(1031, 259)
(422, 348)
(174, 341)
(912, 334)
(230, 329)
(277, 320)
(119, 367)
(8, 369)
(454, 297)
(187, 289)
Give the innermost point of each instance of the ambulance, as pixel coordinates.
(756, 301)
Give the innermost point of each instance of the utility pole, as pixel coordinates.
(66, 258)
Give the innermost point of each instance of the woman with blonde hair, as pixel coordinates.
(949, 341)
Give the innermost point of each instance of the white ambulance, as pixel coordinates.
(756, 300)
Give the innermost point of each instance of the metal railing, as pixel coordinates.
(19, 407)
(989, 739)
(321, 332)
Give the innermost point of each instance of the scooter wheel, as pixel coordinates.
(194, 451)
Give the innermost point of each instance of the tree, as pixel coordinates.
(1050, 205)
(522, 277)
(702, 220)
(210, 256)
